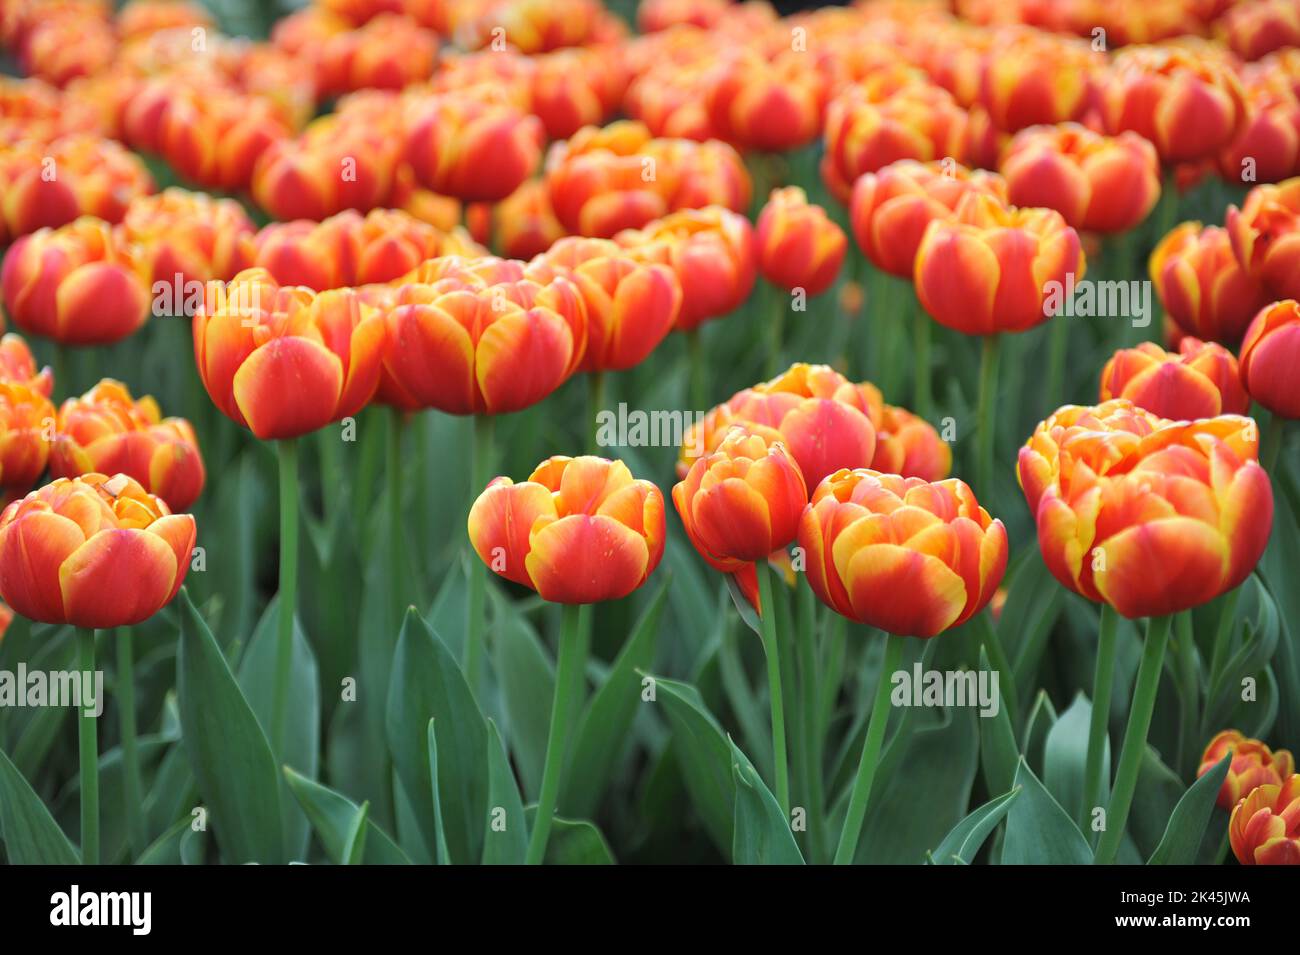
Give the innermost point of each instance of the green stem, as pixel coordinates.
(1189, 687)
(857, 812)
(331, 477)
(775, 329)
(1007, 680)
(987, 413)
(569, 674)
(811, 741)
(396, 537)
(767, 618)
(1273, 442)
(695, 365)
(1057, 345)
(595, 403)
(130, 753)
(89, 756)
(1223, 635)
(288, 597)
(1103, 680)
(1135, 738)
(475, 632)
(921, 322)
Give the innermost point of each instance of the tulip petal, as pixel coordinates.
(118, 578)
(288, 387)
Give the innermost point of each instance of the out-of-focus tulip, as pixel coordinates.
(106, 431)
(61, 48)
(1190, 106)
(908, 445)
(388, 52)
(1265, 235)
(92, 551)
(573, 88)
(532, 26)
(253, 335)
(992, 268)
(1148, 515)
(215, 138)
(1202, 286)
(1253, 764)
(18, 365)
(743, 501)
(1252, 30)
(1200, 380)
(1032, 80)
(902, 554)
(631, 307)
(26, 423)
(140, 18)
(770, 105)
(189, 234)
(479, 338)
(523, 224)
(1267, 148)
(655, 15)
(1265, 826)
(471, 147)
(890, 209)
(78, 284)
(579, 530)
(1270, 355)
(1098, 183)
(798, 244)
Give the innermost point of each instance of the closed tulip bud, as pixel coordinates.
(26, 417)
(1188, 105)
(992, 268)
(890, 209)
(1148, 515)
(1265, 237)
(631, 307)
(92, 551)
(1265, 826)
(189, 234)
(106, 431)
(910, 557)
(1267, 148)
(78, 285)
(1098, 183)
(1270, 354)
(1033, 80)
(798, 244)
(1200, 380)
(472, 148)
(770, 105)
(1202, 286)
(18, 365)
(253, 335)
(578, 531)
(743, 501)
(1253, 764)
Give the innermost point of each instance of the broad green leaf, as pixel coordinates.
(340, 824)
(527, 677)
(743, 606)
(1157, 792)
(967, 837)
(1188, 821)
(573, 842)
(1041, 719)
(166, 849)
(999, 755)
(704, 756)
(762, 832)
(32, 837)
(440, 851)
(505, 839)
(1065, 757)
(229, 753)
(1038, 830)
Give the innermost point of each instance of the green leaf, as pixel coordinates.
(1041, 719)
(1157, 792)
(166, 849)
(441, 852)
(1188, 821)
(1065, 756)
(762, 833)
(704, 756)
(341, 825)
(573, 842)
(999, 755)
(527, 678)
(743, 606)
(228, 750)
(1038, 830)
(605, 726)
(960, 846)
(505, 841)
(427, 685)
(32, 837)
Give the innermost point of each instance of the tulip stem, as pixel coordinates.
(695, 365)
(1135, 738)
(130, 752)
(805, 603)
(288, 450)
(987, 412)
(775, 329)
(1223, 635)
(1189, 691)
(89, 754)
(848, 847)
(921, 386)
(1273, 441)
(570, 669)
(988, 628)
(1103, 681)
(1058, 343)
(595, 404)
(393, 478)
(772, 650)
(477, 623)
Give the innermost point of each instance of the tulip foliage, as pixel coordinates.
(513, 432)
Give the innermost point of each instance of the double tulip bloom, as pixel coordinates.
(1265, 235)
(1270, 355)
(26, 426)
(578, 531)
(92, 551)
(770, 105)
(1199, 381)
(189, 234)
(910, 557)
(798, 244)
(523, 224)
(1202, 286)
(1267, 149)
(472, 147)
(1148, 515)
(1031, 80)
(1253, 764)
(1265, 826)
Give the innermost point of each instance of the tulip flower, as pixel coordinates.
(908, 445)
(472, 148)
(1269, 354)
(771, 105)
(18, 365)
(798, 244)
(1253, 764)
(1032, 80)
(523, 224)
(575, 87)
(106, 431)
(216, 138)
(1097, 183)
(1266, 238)
(26, 423)
(1202, 286)
(1252, 30)
(390, 51)
(1267, 148)
(1265, 826)
(1199, 381)
(78, 285)
(189, 234)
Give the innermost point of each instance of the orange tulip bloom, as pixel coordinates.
(92, 551)
(579, 530)
(1202, 286)
(189, 234)
(1098, 183)
(79, 285)
(1149, 515)
(771, 105)
(1269, 356)
(1267, 148)
(390, 51)
(253, 335)
(106, 431)
(1200, 380)
(1265, 826)
(523, 224)
(907, 556)
(18, 365)
(1033, 79)
(743, 501)
(215, 137)
(1253, 764)
(471, 147)
(890, 209)
(908, 445)
(575, 87)
(798, 244)
(1253, 29)
(990, 268)
(26, 424)
(1265, 235)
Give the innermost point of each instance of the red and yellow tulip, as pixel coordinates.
(1200, 380)
(1253, 764)
(1270, 354)
(1265, 826)
(799, 246)
(1265, 235)
(1201, 284)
